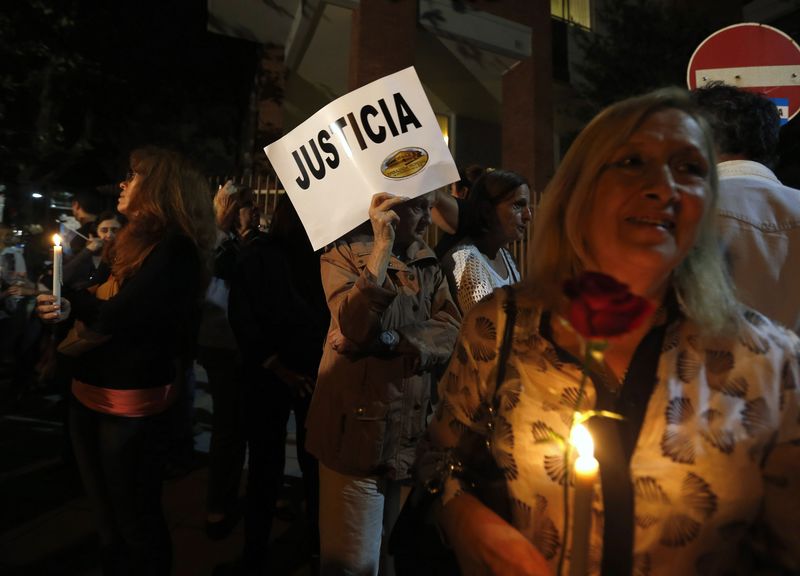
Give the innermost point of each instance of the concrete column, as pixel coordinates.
(528, 106)
(382, 39)
(527, 115)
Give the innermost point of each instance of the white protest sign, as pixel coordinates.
(383, 137)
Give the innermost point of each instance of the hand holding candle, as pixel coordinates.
(586, 469)
(57, 256)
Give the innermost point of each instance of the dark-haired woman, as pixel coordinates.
(146, 316)
(478, 264)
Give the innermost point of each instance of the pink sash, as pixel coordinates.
(130, 403)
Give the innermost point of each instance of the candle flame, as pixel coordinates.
(582, 440)
(56, 239)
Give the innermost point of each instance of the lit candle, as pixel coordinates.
(586, 468)
(57, 267)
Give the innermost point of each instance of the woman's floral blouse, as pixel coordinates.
(715, 472)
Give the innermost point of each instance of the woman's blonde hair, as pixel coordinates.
(172, 196)
(559, 246)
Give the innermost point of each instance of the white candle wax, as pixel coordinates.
(57, 257)
(586, 471)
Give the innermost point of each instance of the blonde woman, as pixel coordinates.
(699, 477)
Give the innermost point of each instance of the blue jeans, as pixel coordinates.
(121, 462)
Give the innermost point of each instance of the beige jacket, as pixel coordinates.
(370, 407)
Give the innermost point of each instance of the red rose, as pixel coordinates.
(600, 307)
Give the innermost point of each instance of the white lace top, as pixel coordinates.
(471, 275)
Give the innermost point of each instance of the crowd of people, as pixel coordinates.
(389, 354)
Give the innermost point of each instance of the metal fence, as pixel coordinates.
(267, 189)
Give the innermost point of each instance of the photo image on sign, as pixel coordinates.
(404, 163)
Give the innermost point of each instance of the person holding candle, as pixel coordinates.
(700, 476)
(147, 313)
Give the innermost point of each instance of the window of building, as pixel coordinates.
(577, 12)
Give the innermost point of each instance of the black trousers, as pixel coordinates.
(227, 450)
(268, 402)
(121, 462)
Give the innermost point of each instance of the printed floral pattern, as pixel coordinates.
(698, 471)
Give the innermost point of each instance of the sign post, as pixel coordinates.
(754, 57)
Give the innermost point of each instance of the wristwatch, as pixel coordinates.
(389, 339)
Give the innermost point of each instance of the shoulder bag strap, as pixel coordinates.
(509, 318)
(513, 274)
(492, 489)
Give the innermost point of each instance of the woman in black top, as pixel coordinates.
(146, 314)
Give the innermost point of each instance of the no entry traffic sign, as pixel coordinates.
(753, 57)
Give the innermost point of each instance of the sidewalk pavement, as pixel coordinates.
(63, 542)
(57, 536)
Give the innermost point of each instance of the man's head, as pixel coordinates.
(746, 125)
(85, 207)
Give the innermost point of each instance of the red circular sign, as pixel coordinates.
(754, 57)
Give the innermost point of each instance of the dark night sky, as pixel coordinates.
(84, 82)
